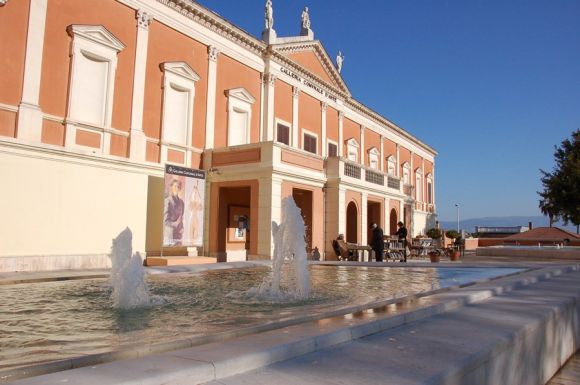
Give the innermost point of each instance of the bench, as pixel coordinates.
(359, 250)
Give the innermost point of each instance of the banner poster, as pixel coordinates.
(184, 201)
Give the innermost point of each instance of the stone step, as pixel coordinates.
(174, 261)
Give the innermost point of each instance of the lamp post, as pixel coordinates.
(457, 207)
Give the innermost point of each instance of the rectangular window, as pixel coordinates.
(176, 114)
(332, 149)
(283, 134)
(310, 143)
(238, 129)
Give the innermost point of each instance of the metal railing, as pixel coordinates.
(374, 177)
(393, 182)
(352, 170)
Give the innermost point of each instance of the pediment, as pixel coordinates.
(97, 34)
(241, 94)
(312, 56)
(352, 142)
(374, 151)
(182, 69)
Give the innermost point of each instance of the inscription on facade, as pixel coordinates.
(308, 84)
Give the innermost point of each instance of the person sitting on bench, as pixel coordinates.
(341, 249)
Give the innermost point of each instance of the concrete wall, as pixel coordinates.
(59, 206)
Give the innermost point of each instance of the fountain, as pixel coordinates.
(289, 245)
(127, 274)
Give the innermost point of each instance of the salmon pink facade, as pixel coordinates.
(95, 100)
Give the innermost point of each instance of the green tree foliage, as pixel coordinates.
(560, 199)
(434, 233)
(452, 234)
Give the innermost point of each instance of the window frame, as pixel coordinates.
(97, 43)
(374, 155)
(313, 135)
(328, 144)
(241, 100)
(391, 161)
(285, 124)
(352, 147)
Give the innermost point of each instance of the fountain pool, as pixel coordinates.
(51, 321)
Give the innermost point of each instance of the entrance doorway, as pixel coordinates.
(393, 222)
(234, 224)
(303, 199)
(373, 216)
(351, 223)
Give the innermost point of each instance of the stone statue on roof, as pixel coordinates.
(339, 60)
(269, 15)
(305, 19)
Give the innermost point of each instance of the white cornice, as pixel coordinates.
(214, 22)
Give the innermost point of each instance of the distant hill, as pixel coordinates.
(469, 224)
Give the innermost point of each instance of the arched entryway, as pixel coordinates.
(352, 223)
(393, 222)
(303, 199)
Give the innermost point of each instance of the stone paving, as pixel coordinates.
(569, 374)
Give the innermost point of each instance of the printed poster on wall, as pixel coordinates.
(183, 206)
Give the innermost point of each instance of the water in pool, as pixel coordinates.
(50, 321)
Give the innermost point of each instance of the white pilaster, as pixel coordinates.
(323, 107)
(212, 56)
(340, 133)
(295, 99)
(412, 178)
(382, 140)
(342, 211)
(269, 210)
(29, 125)
(269, 80)
(363, 152)
(433, 188)
(402, 214)
(423, 184)
(138, 142)
(397, 168)
(364, 220)
(387, 216)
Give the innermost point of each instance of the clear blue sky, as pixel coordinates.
(492, 85)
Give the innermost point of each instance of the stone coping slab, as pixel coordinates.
(244, 350)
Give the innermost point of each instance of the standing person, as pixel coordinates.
(402, 235)
(378, 242)
(173, 218)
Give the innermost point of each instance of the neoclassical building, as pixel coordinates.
(97, 97)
